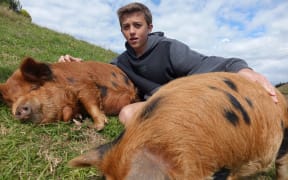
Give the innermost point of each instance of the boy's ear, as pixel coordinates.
(150, 27)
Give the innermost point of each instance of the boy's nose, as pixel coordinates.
(132, 30)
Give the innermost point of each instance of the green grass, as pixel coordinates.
(284, 89)
(42, 152)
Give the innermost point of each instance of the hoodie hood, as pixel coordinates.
(153, 39)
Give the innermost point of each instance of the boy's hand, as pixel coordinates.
(256, 77)
(68, 58)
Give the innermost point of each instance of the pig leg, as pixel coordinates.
(67, 113)
(91, 100)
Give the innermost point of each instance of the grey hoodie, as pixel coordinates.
(166, 59)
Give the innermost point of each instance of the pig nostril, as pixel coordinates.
(25, 109)
(23, 112)
(18, 113)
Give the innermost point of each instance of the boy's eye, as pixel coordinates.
(137, 26)
(125, 27)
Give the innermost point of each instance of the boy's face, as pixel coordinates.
(135, 30)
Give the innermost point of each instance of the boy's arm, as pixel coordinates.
(186, 62)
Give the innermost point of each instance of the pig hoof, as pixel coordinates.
(99, 126)
(105, 120)
(78, 123)
(99, 122)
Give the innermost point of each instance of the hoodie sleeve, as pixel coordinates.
(186, 61)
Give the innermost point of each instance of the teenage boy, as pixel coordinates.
(152, 60)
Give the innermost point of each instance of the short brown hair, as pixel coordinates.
(135, 7)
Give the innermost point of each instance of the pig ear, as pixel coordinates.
(148, 165)
(35, 71)
(94, 156)
(91, 158)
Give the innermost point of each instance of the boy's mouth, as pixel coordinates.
(133, 40)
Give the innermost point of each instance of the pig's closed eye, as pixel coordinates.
(34, 87)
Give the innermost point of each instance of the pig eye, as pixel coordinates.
(34, 87)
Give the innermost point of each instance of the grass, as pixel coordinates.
(42, 152)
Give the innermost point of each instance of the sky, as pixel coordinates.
(253, 30)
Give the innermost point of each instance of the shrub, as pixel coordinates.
(25, 13)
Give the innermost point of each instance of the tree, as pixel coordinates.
(15, 5)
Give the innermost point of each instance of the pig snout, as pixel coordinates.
(23, 112)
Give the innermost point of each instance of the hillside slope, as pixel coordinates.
(20, 38)
(41, 152)
(284, 89)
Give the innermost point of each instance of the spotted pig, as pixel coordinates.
(101, 88)
(208, 126)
